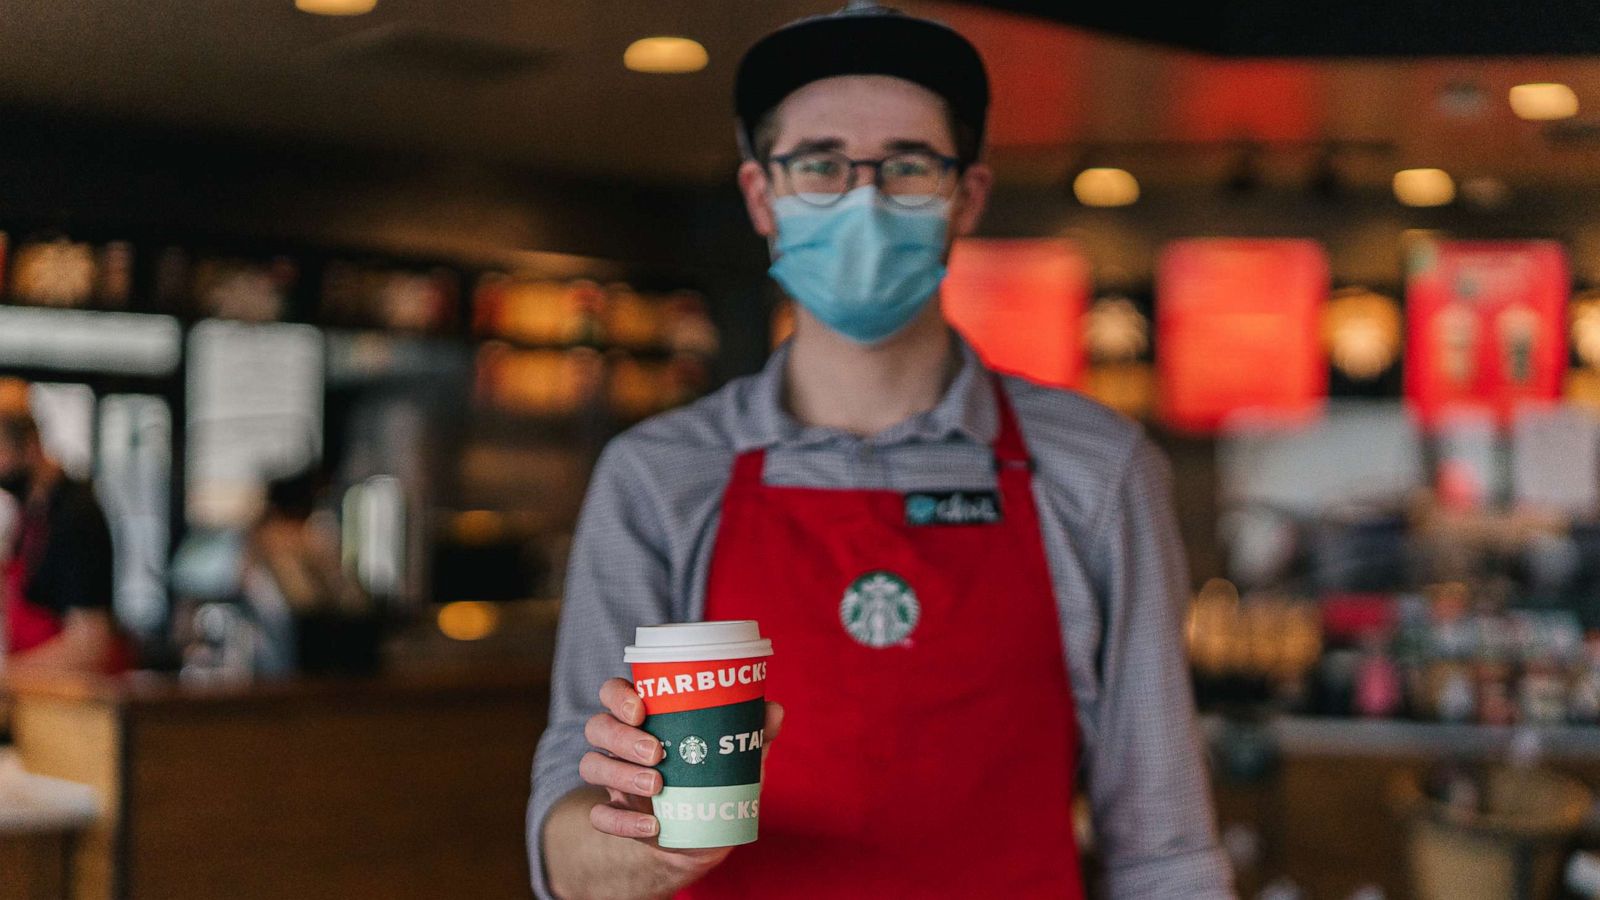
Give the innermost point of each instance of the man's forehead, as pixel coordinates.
(876, 109)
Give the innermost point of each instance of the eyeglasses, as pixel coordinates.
(910, 179)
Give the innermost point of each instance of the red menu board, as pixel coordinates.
(1238, 328)
(1485, 326)
(1019, 302)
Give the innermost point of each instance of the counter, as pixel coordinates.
(1324, 812)
(400, 786)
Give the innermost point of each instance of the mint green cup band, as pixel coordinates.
(707, 816)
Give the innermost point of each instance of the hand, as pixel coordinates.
(630, 783)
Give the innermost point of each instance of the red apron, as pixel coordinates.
(938, 761)
(27, 624)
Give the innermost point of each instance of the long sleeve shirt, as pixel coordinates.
(648, 527)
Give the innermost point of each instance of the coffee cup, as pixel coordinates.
(704, 690)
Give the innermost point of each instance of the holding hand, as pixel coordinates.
(622, 767)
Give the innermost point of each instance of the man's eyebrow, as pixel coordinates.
(905, 145)
(812, 145)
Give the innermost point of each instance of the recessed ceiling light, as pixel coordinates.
(1105, 187)
(1543, 102)
(1424, 187)
(665, 55)
(335, 7)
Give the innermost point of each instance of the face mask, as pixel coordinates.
(862, 267)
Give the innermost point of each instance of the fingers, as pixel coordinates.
(618, 696)
(599, 769)
(622, 822)
(770, 731)
(622, 741)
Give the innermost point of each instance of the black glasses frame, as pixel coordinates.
(947, 163)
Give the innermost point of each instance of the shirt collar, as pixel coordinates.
(966, 410)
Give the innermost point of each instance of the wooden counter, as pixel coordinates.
(392, 787)
(1325, 813)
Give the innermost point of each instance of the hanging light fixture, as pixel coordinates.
(1543, 102)
(1424, 187)
(336, 7)
(665, 55)
(1106, 187)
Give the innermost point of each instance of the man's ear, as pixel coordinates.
(757, 198)
(972, 198)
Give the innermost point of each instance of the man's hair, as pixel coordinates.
(18, 429)
(765, 134)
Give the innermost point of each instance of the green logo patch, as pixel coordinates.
(879, 609)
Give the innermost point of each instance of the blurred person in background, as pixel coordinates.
(291, 566)
(56, 579)
(973, 584)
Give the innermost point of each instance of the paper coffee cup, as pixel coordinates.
(704, 691)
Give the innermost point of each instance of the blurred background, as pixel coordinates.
(334, 307)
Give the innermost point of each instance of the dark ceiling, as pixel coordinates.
(1339, 28)
(539, 84)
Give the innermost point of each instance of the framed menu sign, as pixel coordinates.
(1019, 302)
(1238, 330)
(1486, 329)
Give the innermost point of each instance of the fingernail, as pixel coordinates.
(645, 781)
(630, 709)
(647, 825)
(646, 749)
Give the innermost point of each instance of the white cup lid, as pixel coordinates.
(694, 641)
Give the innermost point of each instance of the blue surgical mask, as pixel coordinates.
(862, 266)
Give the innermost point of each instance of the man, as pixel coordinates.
(972, 584)
(56, 583)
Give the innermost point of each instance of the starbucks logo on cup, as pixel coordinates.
(692, 750)
(879, 609)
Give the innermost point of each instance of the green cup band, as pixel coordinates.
(710, 747)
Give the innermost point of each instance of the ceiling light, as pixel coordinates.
(1105, 187)
(665, 55)
(1424, 187)
(335, 7)
(1543, 102)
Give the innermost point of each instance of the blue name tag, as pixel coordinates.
(953, 508)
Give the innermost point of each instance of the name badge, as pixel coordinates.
(953, 508)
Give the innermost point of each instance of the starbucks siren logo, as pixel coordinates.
(879, 609)
(692, 750)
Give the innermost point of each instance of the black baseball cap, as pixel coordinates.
(861, 39)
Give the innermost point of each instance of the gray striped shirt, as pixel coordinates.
(645, 537)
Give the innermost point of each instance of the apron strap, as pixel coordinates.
(1009, 449)
(747, 468)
